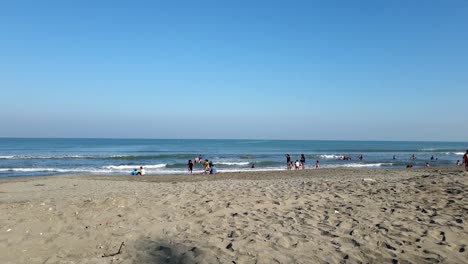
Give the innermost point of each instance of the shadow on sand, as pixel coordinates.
(152, 251)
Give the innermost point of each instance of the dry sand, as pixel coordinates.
(315, 216)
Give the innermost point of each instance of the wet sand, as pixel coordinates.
(312, 216)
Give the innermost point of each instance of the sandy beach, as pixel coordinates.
(311, 216)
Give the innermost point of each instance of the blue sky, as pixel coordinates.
(365, 70)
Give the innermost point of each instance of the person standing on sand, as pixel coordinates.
(465, 160)
(190, 166)
(317, 164)
(288, 159)
(303, 161)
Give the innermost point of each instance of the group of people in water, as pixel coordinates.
(209, 167)
(299, 164)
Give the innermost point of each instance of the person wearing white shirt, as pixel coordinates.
(141, 172)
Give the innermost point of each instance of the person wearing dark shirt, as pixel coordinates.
(190, 166)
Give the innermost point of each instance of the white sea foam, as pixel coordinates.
(126, 168)
(254, 169)
(360, 165)
(454, 153)
(106, 169)
(131, 167)
(41, 170)
(159, 169)
(330, 156)
(427, 150)
(62, 157)
(46, 157)
(168, 172)
(231, 163)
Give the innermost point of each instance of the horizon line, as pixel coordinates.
(252, 139)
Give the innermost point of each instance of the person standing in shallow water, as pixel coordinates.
(465, 160)
(207, 166)
(190, 166)
(303, 160)
(288, 159)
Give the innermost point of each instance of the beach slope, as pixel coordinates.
(312, 216)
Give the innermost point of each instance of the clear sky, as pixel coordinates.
(365, 70)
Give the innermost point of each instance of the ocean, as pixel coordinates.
(23, 157)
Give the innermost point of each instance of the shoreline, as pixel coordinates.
(310, 216)
(241, 175)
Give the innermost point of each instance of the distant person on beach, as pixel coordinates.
(394, 157)
(317, 164)
(361, 157)
(198, 159)
(290, 165)
(207, 166)
(288, 159)
(465, 160)
(253, 166)
(134, 172)
(190, 166)
(432, 157)
(303, 160)
(427, 164)
(141, 172)
(459, 163)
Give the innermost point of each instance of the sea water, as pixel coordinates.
(36, 157)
